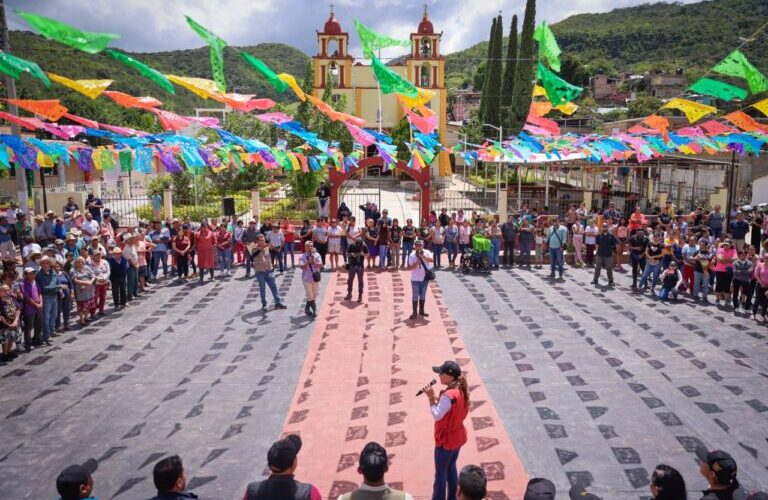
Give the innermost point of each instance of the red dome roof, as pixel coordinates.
(425, 26)
(332, 26)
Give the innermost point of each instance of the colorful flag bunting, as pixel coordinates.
(216, 45)
(201, 87)
(50, 109)
(745, 122)
(266, 71)
(290, 80)
(89, 88)
(558, 90)
(736, 64)
(129, 101)
(14, 66)
(93, 43)
(762, 106)
(372, 41)
(390, 82)
(423, 96)
(718, 89)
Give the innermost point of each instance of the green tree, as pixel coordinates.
(401, 133)
(572, 71)
(523, 89)
(306, 110)
(508, 83)
(485, 93)
(493, 100)
(643, 106)
(478, 76)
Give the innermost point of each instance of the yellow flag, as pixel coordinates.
(199, 86)
(538, 91)
(44, 160)
(762, 106)
(423, 96)
(290, 80)
(89, 88)
(567, 109)
(692, 110)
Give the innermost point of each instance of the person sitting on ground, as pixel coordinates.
(373, 465)
(719, 469)
(170, 479)
(671, 282)
(540, 488)
(76, 481)
(280, 485)
(472, 483)
(667, 484)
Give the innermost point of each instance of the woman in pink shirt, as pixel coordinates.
(761, 288)
(724, 258)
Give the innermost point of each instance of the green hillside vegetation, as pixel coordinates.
(646, 37)
(56, 58)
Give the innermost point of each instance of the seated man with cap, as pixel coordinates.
(719, 469)
(76, 481)
(280, 485)
(373, 465)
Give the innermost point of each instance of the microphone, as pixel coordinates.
(421, 391)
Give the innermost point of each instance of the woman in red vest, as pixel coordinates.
(449, 412)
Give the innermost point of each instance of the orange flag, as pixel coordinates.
(540, 108)
(243, 102)
(49, 109)
(658, 123)
(81, 120)
(129, 101)
(28, 123)
(745, 122)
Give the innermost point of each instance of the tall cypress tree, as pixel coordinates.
(492, 111)
(484, 91)
(523, 89)
(508, 82)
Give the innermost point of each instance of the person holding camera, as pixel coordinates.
(261, 259)
(356, 253)
(311, 264)
(420, 264)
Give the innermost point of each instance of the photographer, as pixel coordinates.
(262, 265)
(311, 265)
(356, 253)
(420, 264)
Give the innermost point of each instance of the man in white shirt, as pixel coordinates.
(276, 241)
(90, 227)
(418, 262)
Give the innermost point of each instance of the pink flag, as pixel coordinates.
(170, 121)
(276, 117)
(63, 131)
(360, 135)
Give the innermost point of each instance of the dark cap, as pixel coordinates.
(540, 488)
(577, 492)
(449, 368)
(282, 454)
(373, 460)
(720, 462)
(71, 478)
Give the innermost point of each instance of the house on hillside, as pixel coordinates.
(465, 102)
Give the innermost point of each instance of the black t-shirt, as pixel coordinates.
(641, 242)
(323, 192)
(409, 233)
(654, 250)
(360, 250)
(606, 244)
(396, 233)
(444, 219)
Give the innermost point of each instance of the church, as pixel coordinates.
(424, 66)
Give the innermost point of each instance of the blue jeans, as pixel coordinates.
(383, 249)
(700, 284)
(445, 474)
(407, 249)
(225, 258)
(288, 250)
(50, 311)
(437, 249)
(495, 248)
(265, 277)
(716, 232)
(666, 291)
(419, 290)
(157, 258)
(555, 259)
(452, 249)
(650, 269)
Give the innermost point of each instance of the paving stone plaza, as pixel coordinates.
(568, 381)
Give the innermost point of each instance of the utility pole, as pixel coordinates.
(10, 85)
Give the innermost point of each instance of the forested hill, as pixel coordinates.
(649, 36)
(56, 58)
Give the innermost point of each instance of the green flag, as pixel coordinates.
(548, 48)
(217, 52)
(558, 90)
(371, 41)
(390, 82)
(737, 64)
(266, 71)
(52, 29)
(14, 66)
(143, 69)
(126, 160)
(718, 89)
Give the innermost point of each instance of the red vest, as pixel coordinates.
(450, 433)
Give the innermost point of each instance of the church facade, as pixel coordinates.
(424, 66)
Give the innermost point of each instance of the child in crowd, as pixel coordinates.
(539, 247)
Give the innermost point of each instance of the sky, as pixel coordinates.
(158, 25)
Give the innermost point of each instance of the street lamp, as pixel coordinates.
(498, 168)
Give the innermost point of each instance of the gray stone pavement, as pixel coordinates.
(193, 370)
(599, 385)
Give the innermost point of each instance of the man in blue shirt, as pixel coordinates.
(160, 237)
(739, 229)
(557, 235)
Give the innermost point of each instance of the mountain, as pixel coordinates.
(651, 36)
(241, 77)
